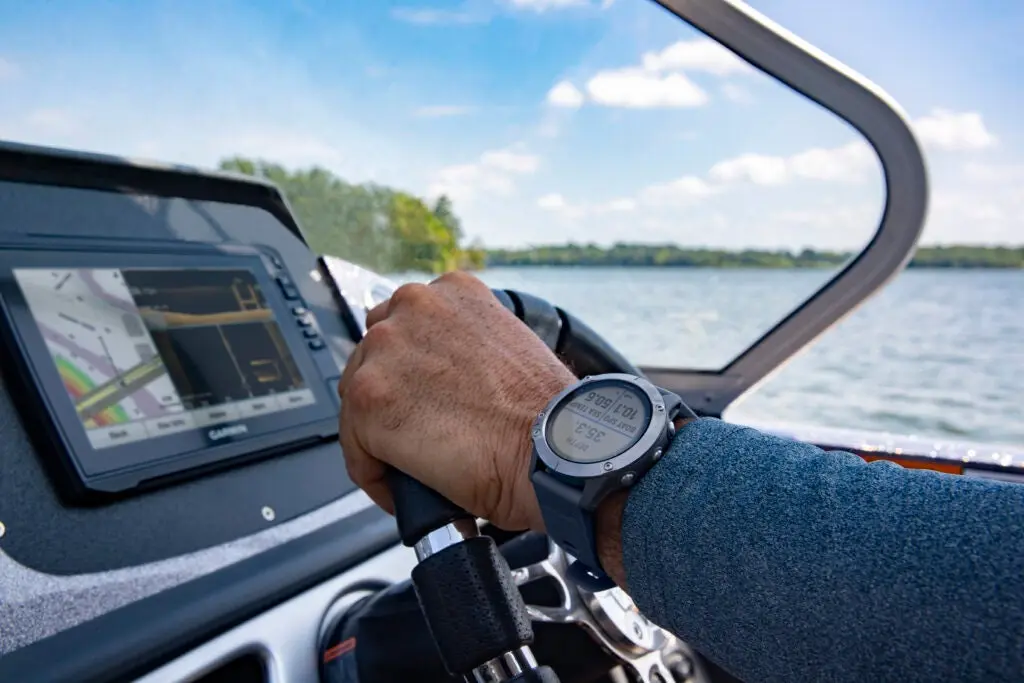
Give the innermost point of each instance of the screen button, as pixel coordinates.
(170, 424)
(310, 334)
(316, 344)
(115, 435)
(212, 415)
(299, 310)
(290, 293)
(296, 399)
(304, 322)
(255, 407)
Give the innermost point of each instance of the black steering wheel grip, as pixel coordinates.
(582, 349)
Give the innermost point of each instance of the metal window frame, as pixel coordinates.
(853, 98)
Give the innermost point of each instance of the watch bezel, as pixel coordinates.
(650, 438)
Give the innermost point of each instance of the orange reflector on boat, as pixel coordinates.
(928, 464)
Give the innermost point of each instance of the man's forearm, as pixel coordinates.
(608, 522)
(781, 561)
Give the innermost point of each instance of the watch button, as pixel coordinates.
(627, 478)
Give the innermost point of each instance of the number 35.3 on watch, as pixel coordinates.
(596, 437)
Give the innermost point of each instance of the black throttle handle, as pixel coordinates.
(420, 509)
(474, 611)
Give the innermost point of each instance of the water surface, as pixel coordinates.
(936, 353)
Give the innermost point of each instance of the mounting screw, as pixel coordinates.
(660, 408)
(608, 466)
(536, 433)
(268, 513)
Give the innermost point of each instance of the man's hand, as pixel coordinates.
(445, 386)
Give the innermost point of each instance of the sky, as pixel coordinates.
(545, 120)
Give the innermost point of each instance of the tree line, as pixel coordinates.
(961, 256)
(391, 231)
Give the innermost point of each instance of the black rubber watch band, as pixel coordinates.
(569, 524)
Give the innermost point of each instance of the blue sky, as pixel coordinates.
(546, 120)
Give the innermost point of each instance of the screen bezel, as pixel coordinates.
(127, 466)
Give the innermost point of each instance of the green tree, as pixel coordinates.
(445, 212)
(375, 226)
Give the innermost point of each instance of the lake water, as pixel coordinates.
(936, 353)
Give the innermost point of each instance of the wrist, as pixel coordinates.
(608, 530)
(608, 527)
(535, 398)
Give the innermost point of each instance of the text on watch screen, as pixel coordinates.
(598, 422)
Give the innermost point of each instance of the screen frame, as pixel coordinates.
(655, 429)
(88, 471)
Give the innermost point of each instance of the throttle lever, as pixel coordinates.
(472, 607)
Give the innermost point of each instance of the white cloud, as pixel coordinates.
(736, 93)
(543, 5)
(427, 16)
(557, 204)
(686, 190)
(849, 163)
(443, 110)
(8, 70)
(994, 174)
(624, 204)
(947, 130)
(984, 196)
(637, 89)
(853, 162)
(565, 94)
(52, 121)
(702, 54)
(512, 162)
(481, 11)
(753, 168)
(291, 148)
(660, 80)
(551, 202)
(493, 173)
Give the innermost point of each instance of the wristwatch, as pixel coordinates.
(596, 437)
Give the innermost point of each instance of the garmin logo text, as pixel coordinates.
(225, 432)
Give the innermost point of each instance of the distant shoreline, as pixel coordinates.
(910, 266)
(960, 257)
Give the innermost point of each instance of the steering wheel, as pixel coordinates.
(470, 597)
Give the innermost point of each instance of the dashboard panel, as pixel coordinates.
(103, 509)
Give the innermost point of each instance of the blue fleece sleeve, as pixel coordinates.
(783, 562)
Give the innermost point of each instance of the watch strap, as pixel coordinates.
(568, 524)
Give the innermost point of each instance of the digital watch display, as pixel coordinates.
(594, 438)
(599, 421)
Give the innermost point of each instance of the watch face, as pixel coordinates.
(598, 421)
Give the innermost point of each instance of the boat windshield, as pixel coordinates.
(602, 154)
